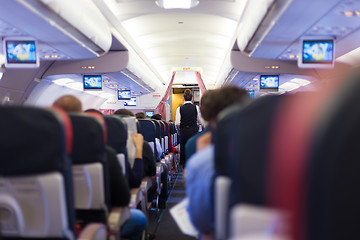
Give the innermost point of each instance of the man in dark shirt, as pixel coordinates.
(187, 119)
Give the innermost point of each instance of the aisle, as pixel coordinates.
(165, 226)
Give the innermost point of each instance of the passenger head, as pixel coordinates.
(216, 100)
(93, 110)
(188, 95)
(156, 117)
(124, 112)
(68, 103)
(140, 115)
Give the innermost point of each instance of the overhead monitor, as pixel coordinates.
(316, 52)
(269, 82)
(92, 82)
(124, 94)
(251, 93)
(20, 52)
(149, 114)
(131, 102)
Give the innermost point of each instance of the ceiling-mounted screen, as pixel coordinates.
(92, 82)
(270, 82)
(149, 114)
(131, 102)
(20, 52)
(124, 94)
(316, 53)
(251, 93)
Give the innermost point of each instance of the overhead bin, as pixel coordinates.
(111, 62)
(115, 65)
(75, 28)
(66, 77)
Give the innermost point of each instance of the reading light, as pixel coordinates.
(171, 4)
(348, 13)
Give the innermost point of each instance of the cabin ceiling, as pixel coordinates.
(201, 37)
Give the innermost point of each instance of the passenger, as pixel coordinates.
(124, 112)
(140, 115)
(200, 167)
(187, 119)
(119, 192)
(93, 110)
(191, 143)
(156, 117)
(68, 103)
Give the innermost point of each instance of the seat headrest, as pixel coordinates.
(88, 146)
(167, 127)
(147, 129)
(157, 127)
(117, 133)
(32, 140)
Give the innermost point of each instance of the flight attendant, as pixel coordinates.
(187, 119)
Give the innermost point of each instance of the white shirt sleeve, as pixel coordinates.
(177, 118)
(199, 118)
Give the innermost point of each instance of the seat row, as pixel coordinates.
(288, 166)
(59, 174)
(162, 137)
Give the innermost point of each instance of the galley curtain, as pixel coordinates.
(200, 82)
(161, 109)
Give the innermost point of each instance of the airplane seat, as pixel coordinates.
(174, 131)
(166, 136)
(162, 136)
(241, 141)
(36, 188)
(131, 124)
(306, 167)
(148, 130)
(90, 169)
(171, 132)
(117, 137)
(333, 168)
(158, 138)
(175, 134)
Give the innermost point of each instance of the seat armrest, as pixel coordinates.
(222, 192)
(146, 183)
(93, 231)
(135, 197)
(116, 219)
(159, 170)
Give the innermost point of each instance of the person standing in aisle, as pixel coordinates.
(187, 119)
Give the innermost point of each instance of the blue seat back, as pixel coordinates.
(90, 169)
(117, 133)
(148, 130)
(333, 176)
